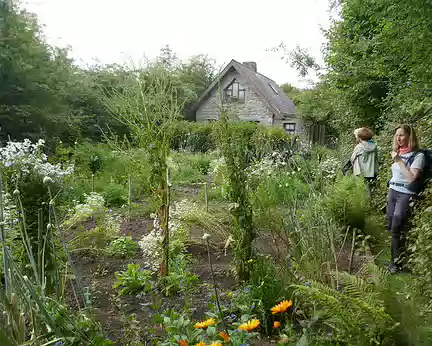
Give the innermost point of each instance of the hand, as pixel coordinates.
(395, 156)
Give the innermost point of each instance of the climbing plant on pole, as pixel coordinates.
(147, 104)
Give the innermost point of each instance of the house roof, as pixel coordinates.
(267, 90)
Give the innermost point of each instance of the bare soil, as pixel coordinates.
(98, 274)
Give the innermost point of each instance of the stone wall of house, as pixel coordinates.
(252, 109)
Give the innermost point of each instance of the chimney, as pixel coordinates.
(251, 64)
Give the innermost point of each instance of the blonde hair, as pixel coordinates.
(409, 131)
(363, 133)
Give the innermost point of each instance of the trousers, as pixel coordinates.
(398, 211)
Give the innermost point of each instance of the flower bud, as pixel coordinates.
(49, 227)
(16, 193)
(206, 236)
(47, 181)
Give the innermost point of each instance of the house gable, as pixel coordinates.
(264, 101)
(251, 108)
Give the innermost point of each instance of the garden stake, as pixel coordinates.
(206, 197)
(130, 197)
(206, 239)
(352, 251)
(3, 237)
(165, 225)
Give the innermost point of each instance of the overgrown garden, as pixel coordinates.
(124, 224)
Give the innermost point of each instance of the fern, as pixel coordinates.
(356, 313)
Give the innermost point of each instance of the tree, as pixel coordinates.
(378, 57)
(34, 78)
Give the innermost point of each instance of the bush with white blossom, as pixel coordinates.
(329, 168)
(25, 158)
(107, 225)
(151, 243)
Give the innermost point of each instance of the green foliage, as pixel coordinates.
(180, 278)
(265, 288)
(35, 80)
(372, 78)
(189, 167)
(238, 151)
(181, 327)
(123, 247)
(283, 188)
(90, 226)
(421, 255)
(115, 195)
(132, 281)
(347, 202)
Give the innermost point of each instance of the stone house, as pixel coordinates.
(250, 96)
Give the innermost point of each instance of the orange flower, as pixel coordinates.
(281, 307)
(183, 343)
(217, 343)
(205, 324)
(276, 324)
(202, 343)
(250, 325)
(225, 336)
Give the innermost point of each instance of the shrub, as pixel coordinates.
(265, 288)
(282, 188)
(106, 226)
(201, 139)
(115, 195)
(180, 278)
(347, 202)
(123, 247)
(134, 280)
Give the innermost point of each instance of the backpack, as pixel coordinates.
(426, 174)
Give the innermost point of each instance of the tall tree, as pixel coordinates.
(378, 57)
(33, 79)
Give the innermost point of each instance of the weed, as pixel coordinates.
(134, 280)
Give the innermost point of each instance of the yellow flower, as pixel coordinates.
(183, 343)
(281, 307)
(276, 324)
(205, 324)
(225, 336)
(202, 343)
(217, 343)
(250, 325)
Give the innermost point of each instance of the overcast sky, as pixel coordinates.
(112, 31)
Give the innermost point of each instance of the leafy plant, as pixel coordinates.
(123, 247)
(347, 202)
(133, 280)
(115, 195)
(181, 278)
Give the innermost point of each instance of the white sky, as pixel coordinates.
(114, 31)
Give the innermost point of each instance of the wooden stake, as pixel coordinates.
(352, 251)
(165, 225)
(130, 197)
(206, 197)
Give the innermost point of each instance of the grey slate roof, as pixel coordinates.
(278, 102)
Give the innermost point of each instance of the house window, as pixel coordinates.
(274, 89)
(290, 127)
(234, 92)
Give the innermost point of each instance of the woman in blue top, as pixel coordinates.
(407, 167)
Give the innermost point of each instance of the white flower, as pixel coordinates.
(206, 236)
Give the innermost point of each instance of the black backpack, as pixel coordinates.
(426, 174)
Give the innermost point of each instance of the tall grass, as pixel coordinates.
(30, 315)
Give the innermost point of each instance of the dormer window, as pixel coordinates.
(234, 92)
(274, 89)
